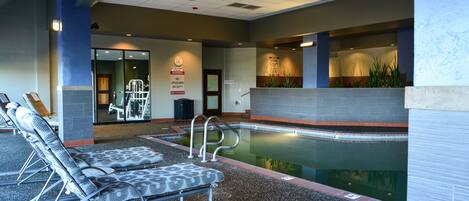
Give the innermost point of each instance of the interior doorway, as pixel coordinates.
(212, 92)
(121, 80)
(103, 90)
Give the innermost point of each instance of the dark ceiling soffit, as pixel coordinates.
(372, 29)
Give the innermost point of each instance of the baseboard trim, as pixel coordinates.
(328, 123)
(163, 120)
(233, 113)
(77, 143)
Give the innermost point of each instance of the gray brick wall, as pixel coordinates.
(331, 104)
(76, 110)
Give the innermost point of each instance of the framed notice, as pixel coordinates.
(176, 78)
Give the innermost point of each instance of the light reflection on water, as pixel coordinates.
(377, 169)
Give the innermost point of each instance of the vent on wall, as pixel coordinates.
(244, 6)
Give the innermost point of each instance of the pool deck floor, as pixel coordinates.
(239, 184)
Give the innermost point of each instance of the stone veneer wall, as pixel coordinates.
(359, 105)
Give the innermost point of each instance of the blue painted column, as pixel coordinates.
(438, 164)
(75, 109)
(405, 51)
(316, 61)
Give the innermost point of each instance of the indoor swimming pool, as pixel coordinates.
(377, 169)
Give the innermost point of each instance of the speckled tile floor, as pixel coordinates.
(238, 185)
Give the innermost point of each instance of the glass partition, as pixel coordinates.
(137, 77)
(121, 85)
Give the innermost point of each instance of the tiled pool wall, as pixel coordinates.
(321, 134)
(357, 105)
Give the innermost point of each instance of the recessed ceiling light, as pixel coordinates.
(131, 56)
(352, 48)
(189, 39)
(128, 34)
(240, 44)
(293, 49)
(135, 67)
(107, 52)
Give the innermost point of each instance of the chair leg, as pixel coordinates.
(210, 194)
(61, 191)
(43, 190)
(32, 174)
(25, 164)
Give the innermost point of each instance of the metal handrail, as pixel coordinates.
(191, 143)
(242, 95)
(204, 145)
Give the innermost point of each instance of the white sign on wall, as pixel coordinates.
(176, 78)
(177, 81)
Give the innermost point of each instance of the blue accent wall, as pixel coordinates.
(74, 44)
(405, 51)
(75, 108)
(316, 61)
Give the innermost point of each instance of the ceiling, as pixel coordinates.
(240, 9)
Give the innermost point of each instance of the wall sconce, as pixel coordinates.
(56, 25)
(307, 44)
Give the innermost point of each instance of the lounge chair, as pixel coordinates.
(4, 118)
(123, 159)
(163, 183)
(35, 103)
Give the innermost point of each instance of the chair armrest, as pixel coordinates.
(95, 168)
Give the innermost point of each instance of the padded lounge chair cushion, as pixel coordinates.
(120, 158)
(157, 181)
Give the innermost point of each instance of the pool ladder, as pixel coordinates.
(216, 125)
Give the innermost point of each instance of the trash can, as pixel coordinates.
(183, 109)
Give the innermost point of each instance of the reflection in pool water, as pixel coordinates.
(377, 169)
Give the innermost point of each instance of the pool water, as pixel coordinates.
(377, 169)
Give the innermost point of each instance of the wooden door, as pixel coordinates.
(212, 92)
(103, 90)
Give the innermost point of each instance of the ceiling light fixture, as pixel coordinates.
(189, 39)
(135, 67)
(56, 25)
(239, 44)
(352, 48)
(307, 44)
(293, 49)
(128, 34)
